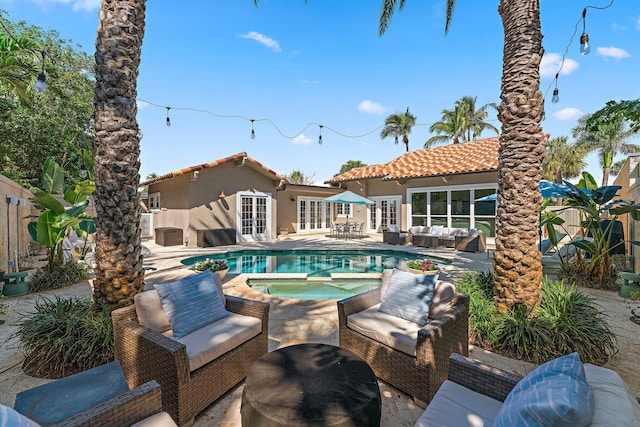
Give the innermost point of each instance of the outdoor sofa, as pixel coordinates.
(394, 236)
(444, 236)
(196, 369)
(408, 356)
(476, 394)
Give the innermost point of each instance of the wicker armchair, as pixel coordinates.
(419, 376)
(148, 355)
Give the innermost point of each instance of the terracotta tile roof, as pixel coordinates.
(466, 157)
(235, 158)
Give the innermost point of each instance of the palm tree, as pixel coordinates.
(475, 120)
(608, 140)
(119, 274)
(399, 125)
(450, 127)
(17, 66)
(562, 160)
(516, 262)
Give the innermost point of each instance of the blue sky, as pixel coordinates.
(293, 66)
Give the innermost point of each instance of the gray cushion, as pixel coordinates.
(455, 405)
(444, 295)
(409, 296)
(215, 339)
(613, 400)
(386, 277)
(437, 230)
(389, 330)
(191, 303)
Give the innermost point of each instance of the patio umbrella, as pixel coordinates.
(349, 197)
(547, 189)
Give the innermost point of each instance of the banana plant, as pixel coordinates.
(55, 220)
(595, 243)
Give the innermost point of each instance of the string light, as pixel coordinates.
(396, 140)
(41, 83)
(320, 136)
(168, 119)
(584, 37)
(253, 132)
(584, 47)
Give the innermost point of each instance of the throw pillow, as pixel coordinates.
(556, 393)
(437, 230)
(11, 417)
(409, 296)
(394, 228)
(191, 303)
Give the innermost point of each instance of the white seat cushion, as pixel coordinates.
(161, 419)
(455, 406)
(386, 329)
(213, 340)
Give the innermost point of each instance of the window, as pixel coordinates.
(154, 201)
(344, 209)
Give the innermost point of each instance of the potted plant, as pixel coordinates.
(284, 231)
(219, 267)
(423, 266)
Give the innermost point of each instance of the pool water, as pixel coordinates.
(315, 263)
(325, 289)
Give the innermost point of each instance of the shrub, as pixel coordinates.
(210, 264)
(59, 276)
(422, 265)
(566, 321)
(65, 336)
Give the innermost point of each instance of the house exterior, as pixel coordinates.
(434, 186)
(235, 194)
(629, 180)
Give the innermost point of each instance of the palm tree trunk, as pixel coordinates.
(517, 265)
(119, 273)
(605, 175)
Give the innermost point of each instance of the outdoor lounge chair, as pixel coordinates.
(394, 236)
(95, 397)
(198, 368)
(409, 357)
(475, 393)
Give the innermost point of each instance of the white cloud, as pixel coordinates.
(550, 65)
(141, 104)
(613, 52)
(568, 114)
(638, 23)
(263, 40)
(83, 5)
(371, 107)
(616, 27)
(301, 139)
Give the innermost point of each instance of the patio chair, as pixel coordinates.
(95, 397)
(194, 370)
(552, 394)
(408, 356)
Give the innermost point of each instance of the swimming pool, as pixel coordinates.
(324, 289)
(315, 263)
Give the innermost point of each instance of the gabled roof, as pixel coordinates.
(467, 157)
(240, 158)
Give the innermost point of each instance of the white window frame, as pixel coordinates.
(343, 210)
(154, 201)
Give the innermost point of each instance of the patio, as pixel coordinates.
(295, 321)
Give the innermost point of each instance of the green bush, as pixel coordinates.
(65, 336)
(566, 321)
(59, 276)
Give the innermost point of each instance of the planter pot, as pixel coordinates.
(625, 290)
(414, 271)
(15, 289)
(221, 273)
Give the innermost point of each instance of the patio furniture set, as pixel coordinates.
(436, 236)
(347, 230)
(184, 344)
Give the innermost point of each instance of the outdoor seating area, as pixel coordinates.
(347, 230)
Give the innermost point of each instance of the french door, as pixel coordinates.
(314, 214)
(254, 213)
(384, 213)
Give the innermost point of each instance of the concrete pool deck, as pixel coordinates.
(297, 321)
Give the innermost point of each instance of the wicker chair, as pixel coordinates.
(419, 376)
(148, 355)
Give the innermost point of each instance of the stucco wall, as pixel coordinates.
(191, 202)
(14, 223)
(627, 179)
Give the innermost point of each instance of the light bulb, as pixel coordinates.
(83, 171)
(320, 140)
(555, 98)
(168, 122)
(584, 44)
(41, 83)
(253, 134)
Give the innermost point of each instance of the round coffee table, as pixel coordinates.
(311, 385)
